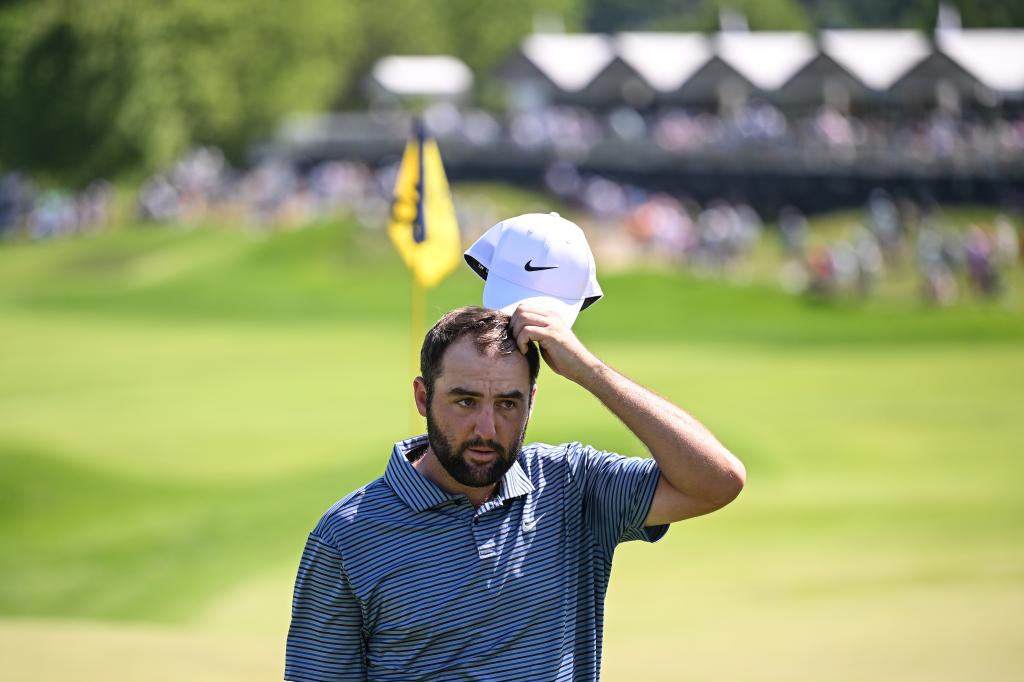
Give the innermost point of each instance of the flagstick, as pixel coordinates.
(415, 334)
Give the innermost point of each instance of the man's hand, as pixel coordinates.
(561, 350)
(698, 473)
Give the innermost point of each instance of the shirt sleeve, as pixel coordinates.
(325, 640)
(617, 493)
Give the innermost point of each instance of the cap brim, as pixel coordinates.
(500, 294)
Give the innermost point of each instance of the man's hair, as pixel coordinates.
(489, 329)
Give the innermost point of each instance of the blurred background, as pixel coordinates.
(807, 219)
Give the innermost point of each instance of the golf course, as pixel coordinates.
(178, 407)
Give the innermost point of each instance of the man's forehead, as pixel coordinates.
(463, 362)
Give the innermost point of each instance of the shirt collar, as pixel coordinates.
(515, 483)
(421, 494)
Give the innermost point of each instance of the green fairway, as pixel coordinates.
(178, 407)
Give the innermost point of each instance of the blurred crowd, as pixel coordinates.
(637, 224)
(44, 214)
(826, 133)
(899, 236)
(202, 187)
(895, 242)
(627, 223)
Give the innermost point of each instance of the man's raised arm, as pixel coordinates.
(698, 473)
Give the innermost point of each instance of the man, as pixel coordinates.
(475, 557)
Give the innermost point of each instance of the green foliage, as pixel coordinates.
(238, 67)
(989, 13)
(113, 87)
(96, 88)
(694, 15)
(920, 14)
(702, 15)
(66, 95)
(873, 13)
(103, 87)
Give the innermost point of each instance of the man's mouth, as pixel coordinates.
(481, 452)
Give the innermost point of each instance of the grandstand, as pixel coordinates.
(780, 118)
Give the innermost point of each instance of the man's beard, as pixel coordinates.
(472, 475)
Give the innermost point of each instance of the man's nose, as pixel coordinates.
(485, 425)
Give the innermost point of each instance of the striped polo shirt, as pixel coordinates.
(401, 580)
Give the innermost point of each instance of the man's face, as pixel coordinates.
(477, 416)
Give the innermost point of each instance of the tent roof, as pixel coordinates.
(664, 60)
(994, 56)
(435, 75)
(569, 60)
(877, 57)
(766, 58)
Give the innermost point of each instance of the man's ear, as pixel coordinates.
(533, 396)
(419, 392)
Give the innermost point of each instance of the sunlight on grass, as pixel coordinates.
(177, 408)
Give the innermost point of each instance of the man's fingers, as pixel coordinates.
(534, 323)
(526, 334)
(531, 333)
(516, 327)
(533, 313)
(521, 320)
(538, 318)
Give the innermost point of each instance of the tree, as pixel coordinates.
(100, 87)
(693, 15)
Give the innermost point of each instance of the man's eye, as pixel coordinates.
(464, 402)
(507, 404)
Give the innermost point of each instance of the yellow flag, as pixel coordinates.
(423, 226)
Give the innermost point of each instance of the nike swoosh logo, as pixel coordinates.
(530, 525)
(535, 268)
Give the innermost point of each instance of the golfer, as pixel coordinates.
(476, 557)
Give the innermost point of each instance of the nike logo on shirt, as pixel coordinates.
(534, 268)
(531, 524)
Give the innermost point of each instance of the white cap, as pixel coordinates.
(538, 257)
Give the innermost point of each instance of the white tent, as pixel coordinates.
(878, 58)
(788, 67)
(554, 67)
(765, 58)
(994, 56)
(437, 76)
(569, 60)
(647, 67)
(664, 60)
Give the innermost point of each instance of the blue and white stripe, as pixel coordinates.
(403, 581)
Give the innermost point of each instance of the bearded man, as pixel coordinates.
(476, 557)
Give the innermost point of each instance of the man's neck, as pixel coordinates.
(430, 466)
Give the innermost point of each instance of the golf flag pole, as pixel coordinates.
(423, 228)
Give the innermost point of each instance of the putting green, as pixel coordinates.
(178, 408)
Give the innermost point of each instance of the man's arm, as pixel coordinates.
(698, 473)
